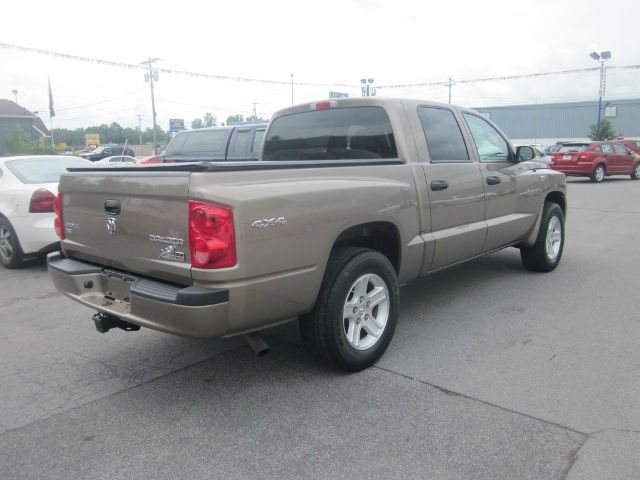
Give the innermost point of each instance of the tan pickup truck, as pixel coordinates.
(350, 198)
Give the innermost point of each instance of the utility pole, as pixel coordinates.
(450, 84)
(140, 128)
(292, 89)
(150, 77)
(255, 115)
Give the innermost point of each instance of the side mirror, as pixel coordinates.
(524, 153)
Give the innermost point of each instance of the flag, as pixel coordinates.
(52, 112)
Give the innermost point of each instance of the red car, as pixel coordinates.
(596, 160)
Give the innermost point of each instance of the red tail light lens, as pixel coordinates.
(58, 223)
(211, 235)
(42, 201)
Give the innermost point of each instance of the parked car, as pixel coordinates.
(107, 151)
(118, 159)
(350, 198)
(236, 143)
(596, 160)
(549, 149)
(28, 189)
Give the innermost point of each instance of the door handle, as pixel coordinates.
(439, 185)
(493, 180)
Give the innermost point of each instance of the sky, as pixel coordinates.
(329, 42)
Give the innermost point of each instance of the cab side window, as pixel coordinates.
(444, 138)
(489, 143)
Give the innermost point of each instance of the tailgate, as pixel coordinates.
(131, 221)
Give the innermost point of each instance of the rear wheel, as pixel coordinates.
(635, 174)
(356, 312)
(598, 174)
(545, 254)
(10, 252)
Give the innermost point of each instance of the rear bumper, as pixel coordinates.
(185, 311)
(578, 169)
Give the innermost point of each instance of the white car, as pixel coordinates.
(28, 188)
(118, 159)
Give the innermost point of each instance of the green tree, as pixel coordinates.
(235, 119)
(606, 130)
(21, 143)
(209, 120)
(196, 123)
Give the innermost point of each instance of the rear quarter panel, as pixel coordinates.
(280, 268)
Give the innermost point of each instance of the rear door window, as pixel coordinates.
(332, 134)
(606, 148)
(444, 138)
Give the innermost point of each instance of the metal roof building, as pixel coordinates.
(546, 123)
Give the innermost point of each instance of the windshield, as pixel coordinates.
(43, 169)
(98, 150)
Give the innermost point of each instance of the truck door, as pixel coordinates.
(454, 183)
(500, 178)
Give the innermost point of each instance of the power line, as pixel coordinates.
(101, 102)
(169, 71)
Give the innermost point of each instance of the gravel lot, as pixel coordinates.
(494, 373)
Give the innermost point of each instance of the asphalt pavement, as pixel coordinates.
(494, 373)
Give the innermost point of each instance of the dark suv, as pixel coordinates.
(107, 151)
(215, 144)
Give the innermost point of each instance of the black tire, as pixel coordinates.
(536, 258)
(596, 177)
(635, 174)
(10, 252)
(323, 330)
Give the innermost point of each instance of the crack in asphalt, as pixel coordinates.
(573, 458)
(458, 394)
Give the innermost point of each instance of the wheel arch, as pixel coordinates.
(381, 236)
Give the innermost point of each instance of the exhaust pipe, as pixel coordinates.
(257, 344)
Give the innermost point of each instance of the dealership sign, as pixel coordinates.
(176, 124)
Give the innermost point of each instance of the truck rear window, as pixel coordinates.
(333, 134)
(204, 142)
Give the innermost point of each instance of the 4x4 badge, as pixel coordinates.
(112, 225)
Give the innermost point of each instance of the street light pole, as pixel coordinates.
(150, 76)
(601, 58)
(15, 94)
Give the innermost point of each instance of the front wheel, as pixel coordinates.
(545, 254)
(598, 174)
(356, 311)
(635, 174)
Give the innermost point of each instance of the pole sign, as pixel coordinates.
(176, 124)
(338, 95)
(92, 140)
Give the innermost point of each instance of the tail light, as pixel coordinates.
(152, 159)
(211, 235)
(584, 156)
(42, 201)
(58, 223)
